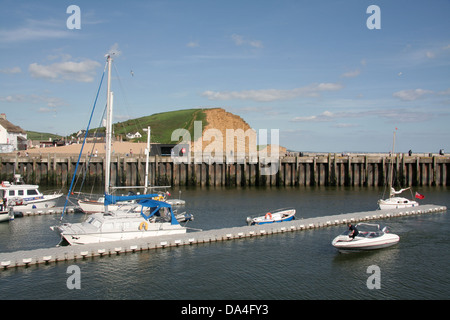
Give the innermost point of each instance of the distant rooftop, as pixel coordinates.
(9, 126)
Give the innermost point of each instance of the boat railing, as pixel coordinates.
(52, 192)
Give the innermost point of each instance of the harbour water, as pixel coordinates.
(298, 265)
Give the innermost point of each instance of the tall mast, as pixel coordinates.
(391, 178)
(109, 102)
(147, 151)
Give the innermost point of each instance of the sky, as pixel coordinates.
(330, 75)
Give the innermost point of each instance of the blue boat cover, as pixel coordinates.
(154, 206)
(112, 199)
(145, 201)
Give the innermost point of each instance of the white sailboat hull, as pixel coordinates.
(396, 203)
(89, 206)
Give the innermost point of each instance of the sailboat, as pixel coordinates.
(394, 201)
(94, 206)
(155, 218)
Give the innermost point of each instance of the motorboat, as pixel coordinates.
(279, 215)
(395, 202)
(370, 236)
(122, 225)
(27, 196)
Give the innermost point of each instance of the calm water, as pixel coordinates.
(290, 266)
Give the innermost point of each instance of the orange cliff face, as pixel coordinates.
(242, 138)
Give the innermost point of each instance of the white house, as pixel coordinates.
(134, 135)
(11, 137)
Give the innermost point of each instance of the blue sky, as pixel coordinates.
(312, 69)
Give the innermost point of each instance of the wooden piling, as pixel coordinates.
(311, 170)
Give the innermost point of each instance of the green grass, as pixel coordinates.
(162, 125)
(41, 136)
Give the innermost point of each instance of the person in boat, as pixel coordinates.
(353, 231)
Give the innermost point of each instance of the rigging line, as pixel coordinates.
(122, 90)
(91, 154)
(138, 125)
(84, 141)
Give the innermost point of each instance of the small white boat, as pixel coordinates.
(395, 202)
(27, 196)
(280, 215)
(370, 237)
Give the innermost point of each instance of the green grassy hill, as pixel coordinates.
(42, 136)
(161, 125)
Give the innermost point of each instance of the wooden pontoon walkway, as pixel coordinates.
(67, 253)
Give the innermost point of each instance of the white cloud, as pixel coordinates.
(444, 92)
(13, 70)
(36, 30)
(240, 41)
(393, 115)
(256, 44)
(351, 74)
(345, 125)
(325, 116)
(192, 44)
(82, 71)
(411, 94)
(430, 54)
(52, 104)
(265, 95)
(13, 98)
(31, 34)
